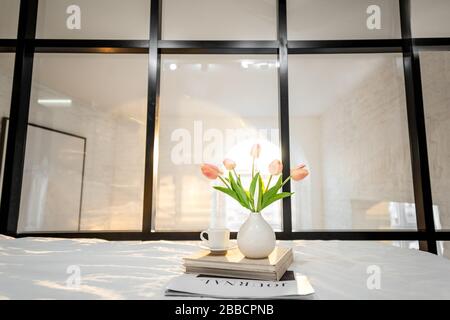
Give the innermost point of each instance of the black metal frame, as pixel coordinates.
(25, 45)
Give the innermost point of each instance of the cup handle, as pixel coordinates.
(202, 237)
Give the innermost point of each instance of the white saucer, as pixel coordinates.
(219, 250)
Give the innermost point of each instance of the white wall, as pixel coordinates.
(366, 152)
(109, 112)
(6, 76)
(348, 124)
(113, 177)
(435, 69)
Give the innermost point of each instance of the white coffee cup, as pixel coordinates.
(218, 238)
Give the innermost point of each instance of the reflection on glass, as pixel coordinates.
(219, 20)
(406, 244)
(93, 19)
(443, 248)
(6, 80)
(435, 71)
(348, 124)
(9, 18)
(84, 170)
(430, 18)
(343, 19)
(212, 107)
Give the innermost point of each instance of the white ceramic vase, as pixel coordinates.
(256, 238)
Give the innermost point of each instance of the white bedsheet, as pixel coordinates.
(36, 268)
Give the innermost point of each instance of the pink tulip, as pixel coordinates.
(256, 150)
(229, 164)
(210, 171)
(275, 167)
(299, 173)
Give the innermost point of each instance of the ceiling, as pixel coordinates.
(202, 85)
(318, 82)
(9, 16)
(113, 84)
(343, 19)
(217, 86)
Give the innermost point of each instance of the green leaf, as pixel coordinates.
(245, 192)
(275, 197)
(260, 193)
(238, 181)
(240, 192)
(272, 191)
(253, 188)
(227, 191)
(231, 193)
(248, 199)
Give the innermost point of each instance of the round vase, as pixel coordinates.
(256, 238)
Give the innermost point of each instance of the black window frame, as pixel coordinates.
(26, 45)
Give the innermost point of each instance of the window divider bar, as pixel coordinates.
(17, 130)
(345, 235)
(90, 46)
(230, 46)
(417, 132)
(218, 47)
(8, 45)
(152, 117)
(430, 44)
(345, 46)
(283, 87)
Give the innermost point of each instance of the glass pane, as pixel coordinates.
(219, 20)
(430, 18)
(342, 19)
(6, 80)
(93, 19)
(9, 18)
(85, 153)
(348, 124)
(444, 248)
(407, 244)
(212, 107)
(435, 70)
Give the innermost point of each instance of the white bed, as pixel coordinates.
(37, 268)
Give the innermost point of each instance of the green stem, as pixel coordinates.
(268, 183)
(284, 182)
(252, 206)
(253, 168)
(225, 182)
(237, 177)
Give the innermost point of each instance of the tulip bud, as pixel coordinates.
(210, 171)
(256, 150)
(275, 167)
(229, 164)
(299, 173)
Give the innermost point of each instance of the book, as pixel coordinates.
(235, 265)
(292, 285)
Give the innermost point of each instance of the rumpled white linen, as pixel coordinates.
(44, 268)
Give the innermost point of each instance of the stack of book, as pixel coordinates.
(234, 265)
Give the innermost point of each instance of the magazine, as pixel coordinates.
(291, 285)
